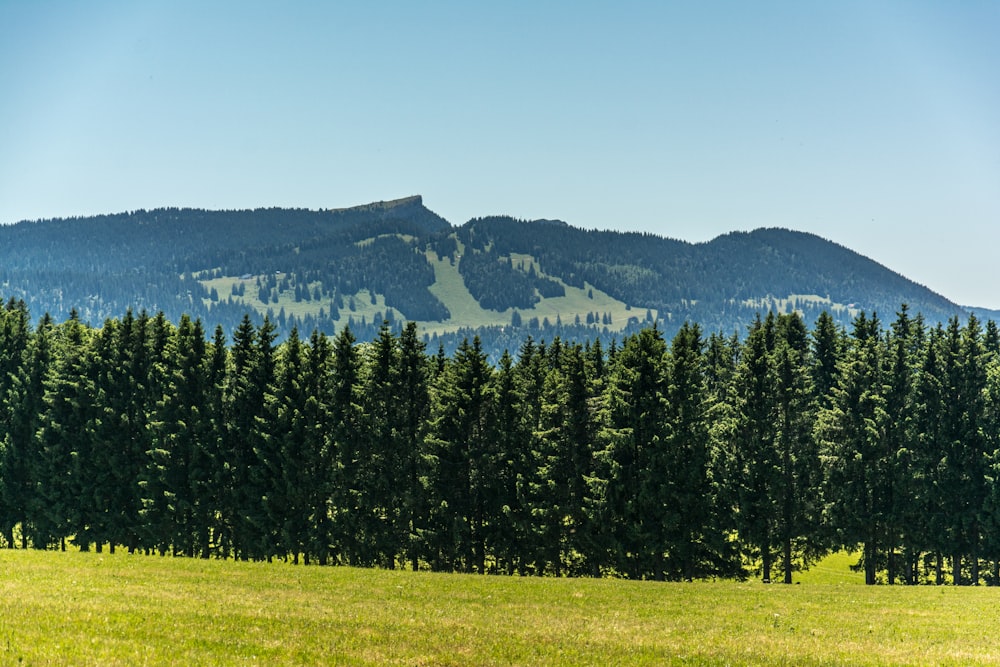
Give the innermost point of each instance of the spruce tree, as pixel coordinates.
(412, 409)
(347, 444)
(634, 440)
(282, 478)
(799, 500)
(22, 404)
(754, 460)
(852, 434)
(461, 441)
(927, 530)
(318, 448)
(694, 548)
(64, 451)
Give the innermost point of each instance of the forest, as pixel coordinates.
(702, 456)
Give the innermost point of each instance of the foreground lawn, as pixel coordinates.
(72, 608)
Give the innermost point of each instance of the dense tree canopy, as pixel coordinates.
(651, 458)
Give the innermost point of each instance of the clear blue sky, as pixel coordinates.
(873, 124)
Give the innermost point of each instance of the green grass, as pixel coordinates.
(73, 608)
(363, 306)
(450, 288)
(783, 305)
(466, 312)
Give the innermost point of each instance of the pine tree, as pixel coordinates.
(64, 456)
(827, 348)
(252, 371)
(348, 448)
(381, 469)
(973, 452)
(633, 436)
(460, 442)
(105, 480)
(799, 500)
(214, 504)
(927, 529)
(902, 350)
(852, 433)
(412, 409)
(506, 533)
(282, 479)
(693, 549)
(520, 440)
(318, 448)
(182, 463)
(990, 517)
(22, 401)
(565, 442)
(755, 463)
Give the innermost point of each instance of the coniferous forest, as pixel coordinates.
(696, 457)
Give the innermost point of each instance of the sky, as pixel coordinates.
(875, 124)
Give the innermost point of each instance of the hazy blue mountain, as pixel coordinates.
(397, 260)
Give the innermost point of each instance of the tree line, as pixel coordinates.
(701, 456)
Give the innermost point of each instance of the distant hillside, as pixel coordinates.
(397, 260)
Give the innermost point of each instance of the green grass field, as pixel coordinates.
(73, 608)
(450, 288)
(466, 312)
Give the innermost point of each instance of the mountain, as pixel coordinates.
(397, 260)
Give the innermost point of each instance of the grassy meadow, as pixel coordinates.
(450, 288)
(88, 608)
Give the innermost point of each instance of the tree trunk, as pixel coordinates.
(956, 570)
(975, 569)
(765, 554)
(870, 563)
(788, 560)
(939, 569)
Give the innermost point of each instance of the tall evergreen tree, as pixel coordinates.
(461, 441)
(852, 432)
(902, 357)
(507, 534)
(565, 442)
(694, 549)
(64, 456)
(634, 437)
(755, 464)
(281, 449)
(412, 405)
(927, 526)
(828, 345)
(348, 448)
(520, 439)
(799, 499)
(252, 371)
(22, 403)
(318, 448)
(182, 461)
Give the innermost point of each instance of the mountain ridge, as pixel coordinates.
(398, 260)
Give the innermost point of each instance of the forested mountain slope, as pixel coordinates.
(397, 260)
